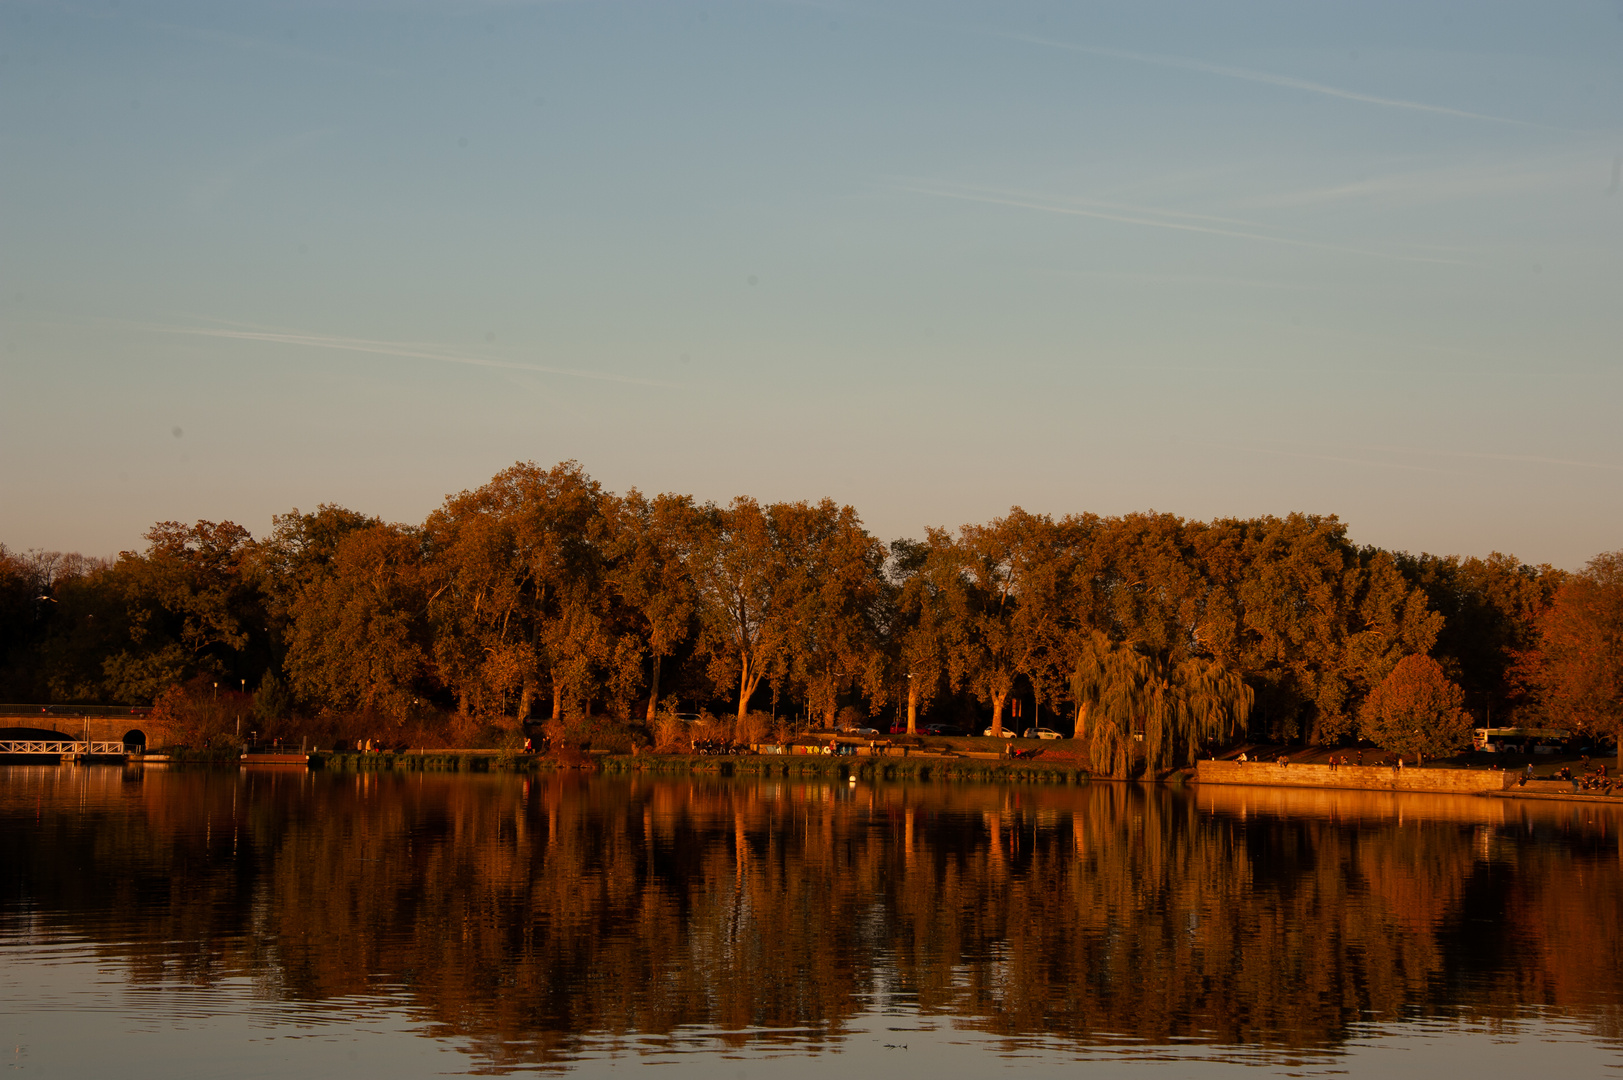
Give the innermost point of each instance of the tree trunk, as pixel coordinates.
(525, 696)
(744, 686)
(912, 707)
(557, 702)
(997, 713)
(653, 691)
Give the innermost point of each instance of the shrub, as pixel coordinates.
(751, 728)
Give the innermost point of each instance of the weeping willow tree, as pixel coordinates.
(1124, 694)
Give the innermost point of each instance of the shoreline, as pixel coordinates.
(913, 767)
(1497, 784)
(922, 768)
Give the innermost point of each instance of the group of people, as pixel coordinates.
(1589, 779)
(1283, 759)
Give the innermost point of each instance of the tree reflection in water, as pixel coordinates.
(528, 917)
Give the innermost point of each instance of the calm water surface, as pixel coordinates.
(263, 923)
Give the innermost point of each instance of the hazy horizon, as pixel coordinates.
(929, 260)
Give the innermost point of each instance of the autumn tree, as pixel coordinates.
(1012, 608)
(1146, 583)
(649, 545)
(746, 634)
(1580, 669)
(922, 632)
(299, 550)
(516, 587)
(1311, 621)
(191, 607)
(1416, 711)
(828, 589)
(1491, 609)
(358, 631)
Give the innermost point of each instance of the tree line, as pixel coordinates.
(542, 596)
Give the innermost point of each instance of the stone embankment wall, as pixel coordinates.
(1358, 777)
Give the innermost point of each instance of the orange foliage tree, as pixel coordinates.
(1417, 711)
(1580, 666)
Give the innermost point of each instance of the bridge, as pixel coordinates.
(134, 728)
(64, 747)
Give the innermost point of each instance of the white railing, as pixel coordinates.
(54, 746)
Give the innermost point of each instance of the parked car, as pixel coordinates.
(940, 729)
(1041, 733)
(867, 731)
(899, 728)
(1007, 733)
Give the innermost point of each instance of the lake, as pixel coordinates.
(184, 923)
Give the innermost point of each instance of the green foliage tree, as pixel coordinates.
(1127, 695)
(272, 700)
(1416, 711)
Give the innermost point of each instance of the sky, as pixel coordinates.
(930, 259)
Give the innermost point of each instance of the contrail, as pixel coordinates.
(1180, 226)
(1332, 458)
(1526, 459)
(395, 348)
(1269, 79)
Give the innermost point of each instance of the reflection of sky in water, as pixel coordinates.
(70, 1013)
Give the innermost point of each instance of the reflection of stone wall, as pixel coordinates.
(1361, 777)
(1347, 804)
(102, 728)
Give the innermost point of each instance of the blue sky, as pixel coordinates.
(930, 259)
